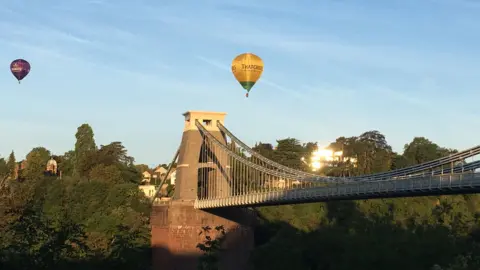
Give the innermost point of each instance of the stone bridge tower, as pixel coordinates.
(176, 226)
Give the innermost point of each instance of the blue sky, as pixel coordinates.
(405, 67)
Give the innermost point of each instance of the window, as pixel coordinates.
(207, 122)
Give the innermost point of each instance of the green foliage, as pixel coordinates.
(69, 221)
(36, 161)
(84, 148)
(66, 163)
(170, 190)
(211, 247)
(12, 166)
(421, 150)
(142, 168)
(109, 173)
(4, 170)
(95, 217)
(289, 153)
(114, 153)
(101, 223)
(403, 233)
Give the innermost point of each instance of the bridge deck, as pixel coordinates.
(415, 186)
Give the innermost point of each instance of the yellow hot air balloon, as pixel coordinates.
(247, 69)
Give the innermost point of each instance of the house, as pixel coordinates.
(159, 172)
(23, 164)
(19, 166)
(146, 177)
(148, 190)
(173, 177)
(52, 166)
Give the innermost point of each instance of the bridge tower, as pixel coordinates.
(176, 226)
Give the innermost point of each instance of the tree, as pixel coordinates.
(374, 152)
(85, 148)
(400, 233)
(114, 153)
(107, 173)
(421, 150)
(12, 166)
(289, 152)
(398, 162)
(142, 167)
(211, 247)
(36, 163)
(75, 224)
(104, 223)
(4, 171)
(345, 166)
(66, 163)
(264, 149)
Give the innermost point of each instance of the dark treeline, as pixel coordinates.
(419, 233)
(94, 217)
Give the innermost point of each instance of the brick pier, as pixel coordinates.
(176, 232)
(176, 226)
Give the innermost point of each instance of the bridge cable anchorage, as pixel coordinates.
(372, 177)
(170, 167)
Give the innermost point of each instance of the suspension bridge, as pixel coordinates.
(225, 172)
(220, 179)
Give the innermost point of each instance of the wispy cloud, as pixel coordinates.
(459, 3)
(96, 2)
(38, 51)
(386, 92)
(81, 41)
(313, 48)
(317, 55)
(284, 90)
(329, 91)
(257, 32)
(428, 103)
(299, 39)
(49, 54)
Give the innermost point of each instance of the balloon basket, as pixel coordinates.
(246, 94)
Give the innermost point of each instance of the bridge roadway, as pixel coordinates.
(460, 183)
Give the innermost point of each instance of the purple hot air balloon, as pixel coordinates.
(20, 69)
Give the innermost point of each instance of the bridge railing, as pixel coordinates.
(415, 186)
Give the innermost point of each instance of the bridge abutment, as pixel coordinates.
(177, 227)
